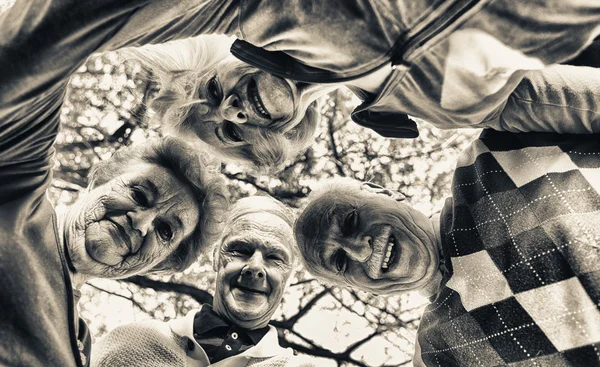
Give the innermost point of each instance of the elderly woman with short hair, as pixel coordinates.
(400, 60)
(151, 208)
(453, 64)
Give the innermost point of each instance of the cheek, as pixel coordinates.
(356, 276)
(203, 112)
(152, 251)
(230, 74)
(205, 131)
(229, 268)
(278, 281)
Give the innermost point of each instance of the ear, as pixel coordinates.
(377, 189)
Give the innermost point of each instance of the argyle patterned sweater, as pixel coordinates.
(521, 241)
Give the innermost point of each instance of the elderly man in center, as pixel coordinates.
(511, 266)
(254, 260)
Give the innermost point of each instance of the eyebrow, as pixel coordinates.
(277, 246)
(279, 250)
(152, 187)
(155, 192)
(178, 221)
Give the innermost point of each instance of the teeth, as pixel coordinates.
(257, 102)
(388, 254)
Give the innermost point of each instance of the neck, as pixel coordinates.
(437, 230)
(433, 286)
(248, 325)
(77, 279)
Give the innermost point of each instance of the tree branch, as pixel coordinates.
(130, 299)
(300, 282)
(292, 320)
(199, 295)
(332, 142)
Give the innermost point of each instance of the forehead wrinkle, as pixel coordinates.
(333, 237)
(263, 226)
(257, 232)
(324, 207)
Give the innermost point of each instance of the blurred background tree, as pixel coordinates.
(106, 110)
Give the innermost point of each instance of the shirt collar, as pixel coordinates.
(206, 320)
(267, 347)
(257, 334)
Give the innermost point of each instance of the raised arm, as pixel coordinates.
(561, 98)
(43, 42)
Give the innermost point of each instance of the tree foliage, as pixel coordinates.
(105, 110)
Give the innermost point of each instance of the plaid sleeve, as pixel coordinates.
(523, 237)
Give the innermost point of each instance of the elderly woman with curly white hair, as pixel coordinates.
(231, 109)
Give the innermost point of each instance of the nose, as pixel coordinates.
(254, 269)
(360, 250)
(232, 110)
(142, 220)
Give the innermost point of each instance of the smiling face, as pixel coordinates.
(253, 264)
(369, 240)
(130, 223)
(241, 100)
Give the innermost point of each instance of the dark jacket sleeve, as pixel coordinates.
(43, 42)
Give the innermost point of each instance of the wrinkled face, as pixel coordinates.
(370, 241)
(130, 223)
(241, 100)
(253, 266)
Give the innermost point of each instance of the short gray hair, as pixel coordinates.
(304, 229)
(194, 170)
(251, 205)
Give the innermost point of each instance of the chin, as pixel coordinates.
(86, 265)
(247, 311)
(78, 256)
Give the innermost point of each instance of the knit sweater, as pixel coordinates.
(159, 344)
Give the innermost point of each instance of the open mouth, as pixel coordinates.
(255, 101)
(390, 252)
(218, 134)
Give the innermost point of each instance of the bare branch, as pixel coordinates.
(301, 282)
(332, 141)
(199, 295)
(352, 347)
(130, 299)
(292, 320)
